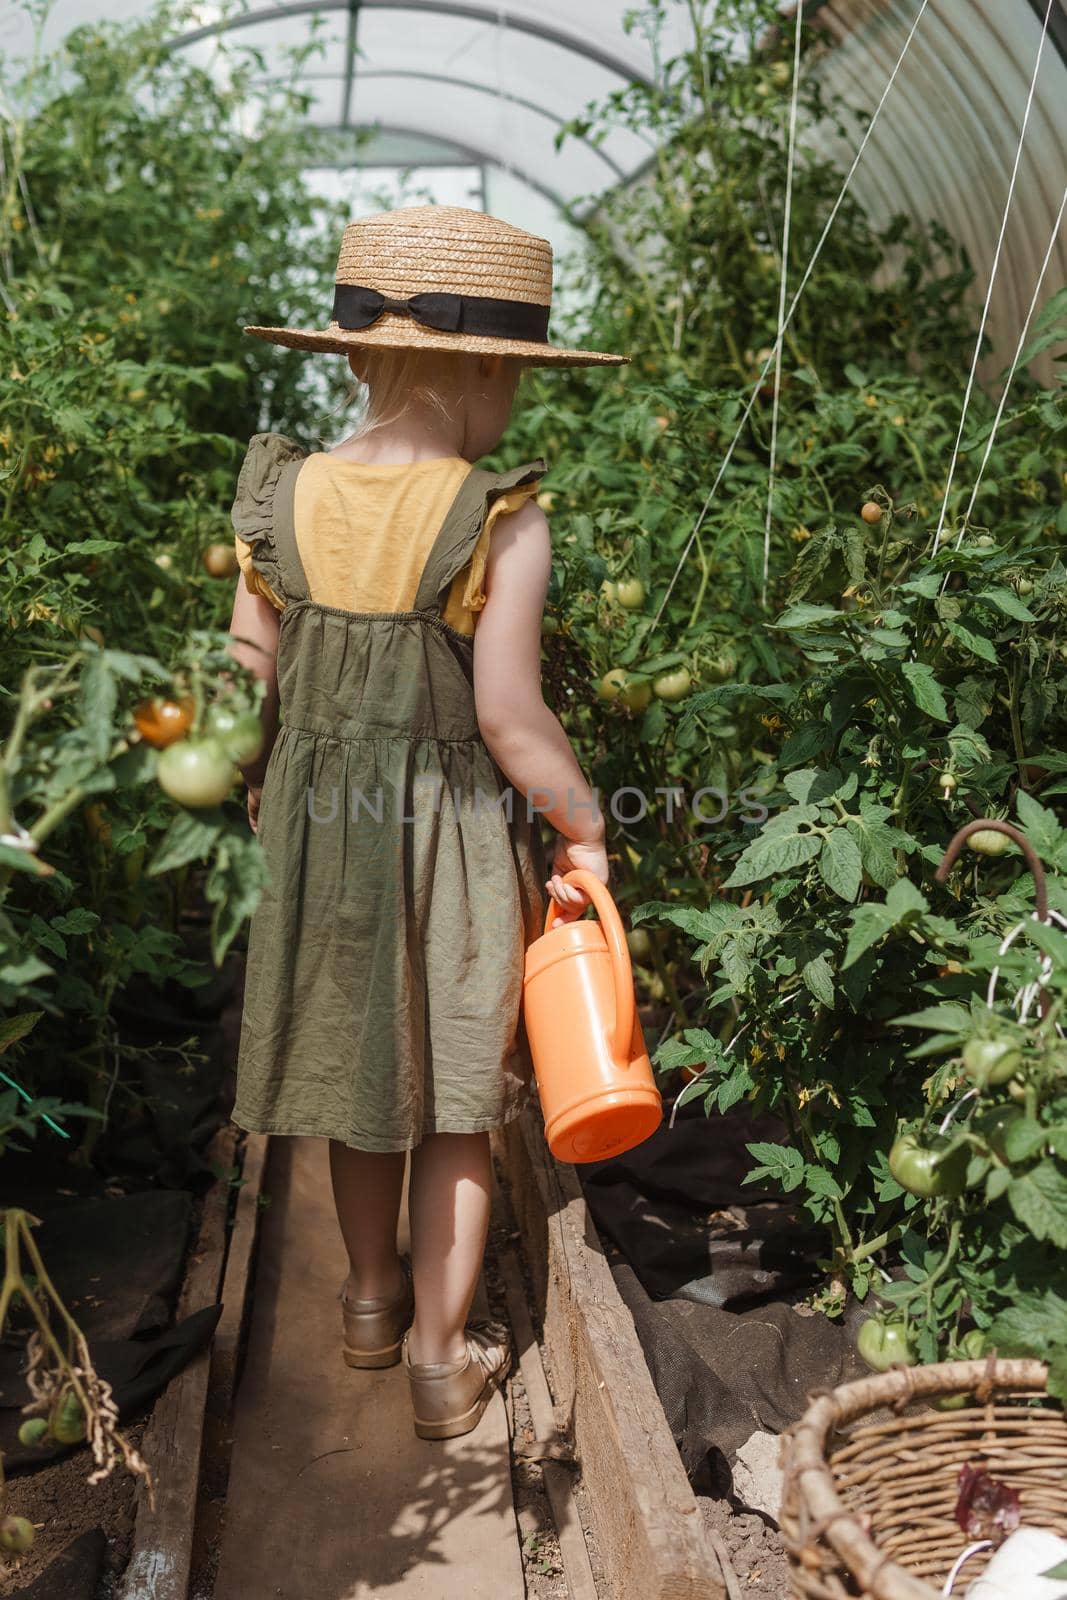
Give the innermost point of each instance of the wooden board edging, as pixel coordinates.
(648, 1525)
(163, 1540)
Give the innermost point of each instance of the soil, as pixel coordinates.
(62, 1505)
(754, 1547)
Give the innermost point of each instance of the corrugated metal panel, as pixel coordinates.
(946, 141)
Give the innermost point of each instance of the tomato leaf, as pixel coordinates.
(840, 865)
(870, 923)
(925, 690)
(777, 1161)
(774, 852)
(819, 978)
(1007, 601)
(1039, 1200)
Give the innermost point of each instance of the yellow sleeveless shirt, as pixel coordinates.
(365, 529)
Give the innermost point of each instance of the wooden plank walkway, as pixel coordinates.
(331, 1496)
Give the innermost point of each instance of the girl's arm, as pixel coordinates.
(523, 736)
(254, 632)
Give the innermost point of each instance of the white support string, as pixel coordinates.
(1012, 370)
(809, 269)
(786, 225)
(992, 280)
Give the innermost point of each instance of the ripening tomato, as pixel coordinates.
(240, 733)
(871, 512)
(990, 1061)
(220, 561)
(928, 1170)
(196, 772)
(989, 842)
(883, 1343)
(672, 685)
(631, 593)
(162, 722)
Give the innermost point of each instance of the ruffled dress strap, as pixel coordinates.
(464, 534)
(266, 551)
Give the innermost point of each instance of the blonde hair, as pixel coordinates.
(394, 380)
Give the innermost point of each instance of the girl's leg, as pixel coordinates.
(449, 1202)
(366, 1189)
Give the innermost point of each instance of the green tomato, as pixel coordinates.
(640, 944)
(952, 1402)
(883, 1343)
(672, 685)
(637, 694)
(985, 542)
(989, 842)
(549, 626)
(67, 1422)
(988, 1061)
(197, 773)
(609, 591)
(1017, 1090)
(33, 1430)
(16, 1534)
(723, 667)
(1023, 586)
(239, 732)
(631, 593)
(928, 1170)
(973, 1345)
(618, 684)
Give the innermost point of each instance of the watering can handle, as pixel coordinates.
(622, 972)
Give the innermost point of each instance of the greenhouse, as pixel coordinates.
(533, 799)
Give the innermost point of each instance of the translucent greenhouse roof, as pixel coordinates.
(476, 93)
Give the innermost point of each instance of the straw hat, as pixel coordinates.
(442, 278)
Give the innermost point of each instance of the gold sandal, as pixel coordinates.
(449, 1397)
(373, 1329)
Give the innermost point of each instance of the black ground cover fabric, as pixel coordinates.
(74, 1574)
(713, 1274)
(179, 1098)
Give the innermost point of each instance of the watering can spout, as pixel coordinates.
(595, 1082)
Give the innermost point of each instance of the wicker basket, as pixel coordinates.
(868, 1505)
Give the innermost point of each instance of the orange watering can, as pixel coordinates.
(598, 1095)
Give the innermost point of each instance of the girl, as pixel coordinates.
(391, 600)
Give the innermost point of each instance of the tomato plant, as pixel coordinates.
(899, 672)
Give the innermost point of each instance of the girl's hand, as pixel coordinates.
(253, 807)
(592, 857)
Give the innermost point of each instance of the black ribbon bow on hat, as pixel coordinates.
(356, 306)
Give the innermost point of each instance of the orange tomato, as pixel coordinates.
(162, 722)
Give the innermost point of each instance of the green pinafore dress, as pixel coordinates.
(385, 958)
